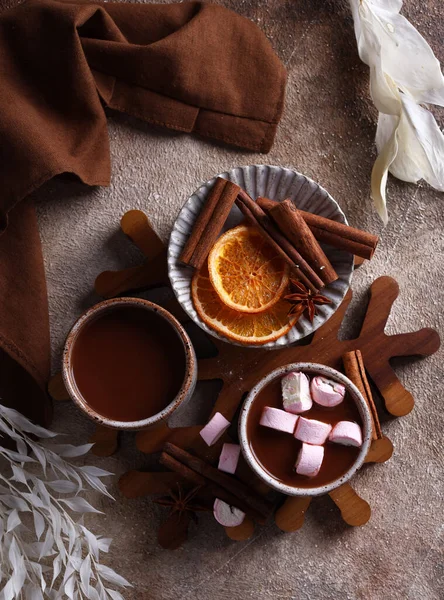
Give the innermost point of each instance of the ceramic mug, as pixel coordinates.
(357, 398)
(190, 373)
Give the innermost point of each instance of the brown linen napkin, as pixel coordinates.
(191, 67)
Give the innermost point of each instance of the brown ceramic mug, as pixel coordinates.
(102, 360)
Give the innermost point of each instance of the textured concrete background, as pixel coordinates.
(327, 133)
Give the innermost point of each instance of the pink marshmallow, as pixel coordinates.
(309, 460)
(214, 429)
(327, 392)
(229, 457)
(226, 515)
(346, 433)
(311, 431)
(296, 393)
(275, 418)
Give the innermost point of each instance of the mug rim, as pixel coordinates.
(364, 412)
(190, 375)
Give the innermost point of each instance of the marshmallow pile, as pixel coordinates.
(226, 515)
(298, 395)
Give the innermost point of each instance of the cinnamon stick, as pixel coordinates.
(174, 465)
(208, 225)
(212, 488)
(202, 220)
(225, 481)
(275, 238)
(358, 242)
(343, 237)
(355, 371)
(290, 222)
(266, 204)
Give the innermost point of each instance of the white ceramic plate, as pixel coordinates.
(276, 183)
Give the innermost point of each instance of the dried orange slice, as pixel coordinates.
(246, 272)
(247, 328)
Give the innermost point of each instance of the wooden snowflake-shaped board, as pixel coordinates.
(240, 368)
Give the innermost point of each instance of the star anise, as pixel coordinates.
(182, 501)
(303, 299)
(183, 505)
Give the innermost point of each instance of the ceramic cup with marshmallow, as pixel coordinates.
(306, 389)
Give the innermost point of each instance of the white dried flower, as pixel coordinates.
(404, 74)
(44, 553)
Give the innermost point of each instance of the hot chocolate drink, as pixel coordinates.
(277, 450)
(128, 363)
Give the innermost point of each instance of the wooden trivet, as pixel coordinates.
(240, 368)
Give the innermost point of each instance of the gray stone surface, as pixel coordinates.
(327, 133)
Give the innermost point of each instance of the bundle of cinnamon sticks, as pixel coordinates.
(221, 485)
(295, 234)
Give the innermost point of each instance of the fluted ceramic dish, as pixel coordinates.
(276, 183)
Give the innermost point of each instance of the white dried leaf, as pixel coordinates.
(404, 73)
(69, 587)
(22, 447)
(104, 544)
(56, 520)
(14, 502)
(60, 543)
(79, 504)
(70, 528)
(38, 570)
(32, 592)
(40, 489)
(7, 592)
(63, 486)
(112, 577)
(33, 499)
(8, 430)
(94, 471)
(85, 574)
(21, 422)
(70, 451)
(18, 577)
(19, 474)
(13, 521)
(93, 594)
(39, 524)
(56, 568)
(47, 546)
(76, 561)
(14, 554)
(93, 542)
(68, 572)
(16, 456)
(98, 485)
(40, 455)
(101, 590)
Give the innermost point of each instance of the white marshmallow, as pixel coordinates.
(311, 431)
(275, 418)
(296, 393)
(226, 515)
(229, 457)
(347, 433)
(309, 460)
(327, 392)
(214, 429)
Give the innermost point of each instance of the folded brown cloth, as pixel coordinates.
(191, 67)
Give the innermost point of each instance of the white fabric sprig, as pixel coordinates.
(44, 552)
(404, 75)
